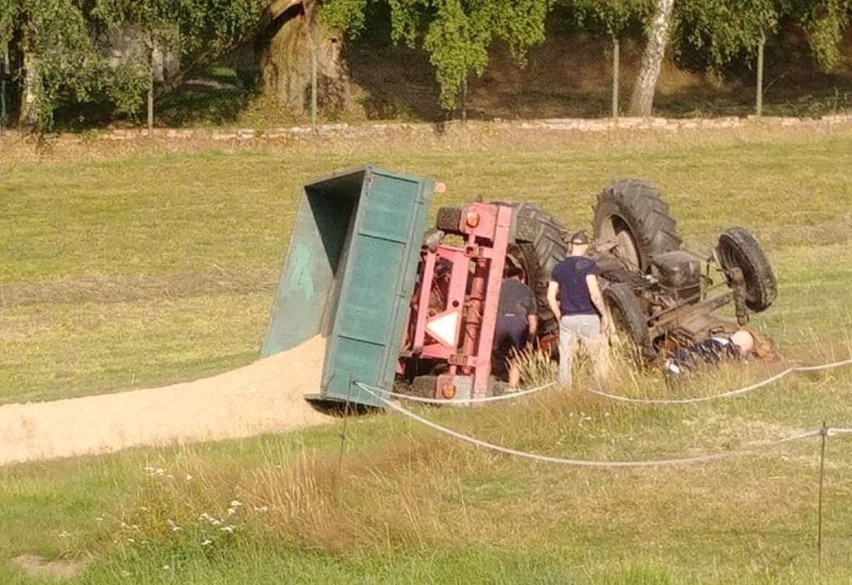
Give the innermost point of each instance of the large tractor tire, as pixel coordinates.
(632, 214)
(738, 249)
(449, 220)
(537, 248)
(628, 318)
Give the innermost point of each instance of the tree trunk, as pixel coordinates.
(642, 100)
(287, 61)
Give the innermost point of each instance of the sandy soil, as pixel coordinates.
(266, 396)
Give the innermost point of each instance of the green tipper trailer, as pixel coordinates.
(349, 276)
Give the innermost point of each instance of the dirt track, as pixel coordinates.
(266, 396)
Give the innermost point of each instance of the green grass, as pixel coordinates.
(129, 269)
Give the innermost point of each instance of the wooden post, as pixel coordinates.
(464, 101)
(616, 66)
(151, 105)
(823, 435)
(313, 86)
(4, 71)
(151, 87)
(309, 22)
(760, 50)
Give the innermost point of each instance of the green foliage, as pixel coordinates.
(66, 39)
(613, 16)
(56, 34)
(825, 23)
(457, 34)
(725, 30)
(344, 15)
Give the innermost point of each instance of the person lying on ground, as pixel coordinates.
(741, 344)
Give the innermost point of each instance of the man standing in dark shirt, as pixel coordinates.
(575, 298)
(517, 321)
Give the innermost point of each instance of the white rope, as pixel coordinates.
(833, 431)
(692, 400)
(580, 462)
(457, 401)
(736, 392)
(823, 367)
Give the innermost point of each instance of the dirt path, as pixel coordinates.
(263, 397)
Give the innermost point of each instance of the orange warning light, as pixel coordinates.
(448, 391)
(472, 219)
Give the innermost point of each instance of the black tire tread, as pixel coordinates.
(627, 316)
(449, 220)
(538, 246)
(738, 248)
(639, 204)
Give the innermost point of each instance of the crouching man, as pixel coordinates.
(517, 323)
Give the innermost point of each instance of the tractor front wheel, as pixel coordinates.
(628, 318)
(739, 249)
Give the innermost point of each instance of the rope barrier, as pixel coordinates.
(736, 392)
(581, 462)
(458, 401)
(822, 367)
(627, 399)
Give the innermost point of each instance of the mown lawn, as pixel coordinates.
(145, 267)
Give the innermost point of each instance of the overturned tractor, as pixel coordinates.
(418, 314)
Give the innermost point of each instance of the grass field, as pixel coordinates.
(135, 265)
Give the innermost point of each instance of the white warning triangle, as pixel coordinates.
(445, 328)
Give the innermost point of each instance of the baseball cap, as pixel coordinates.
(579, 237)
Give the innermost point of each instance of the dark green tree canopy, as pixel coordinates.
(725, 30)
(63, 41)
(457, 34)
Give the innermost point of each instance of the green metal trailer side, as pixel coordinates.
(349, 275)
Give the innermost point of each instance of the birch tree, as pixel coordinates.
(642, 98)
(615, 18)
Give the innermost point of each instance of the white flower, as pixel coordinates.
(231, 511)
(166, 568)
(236, 504)
(188, 477)
(227, 528)
(206, 542)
